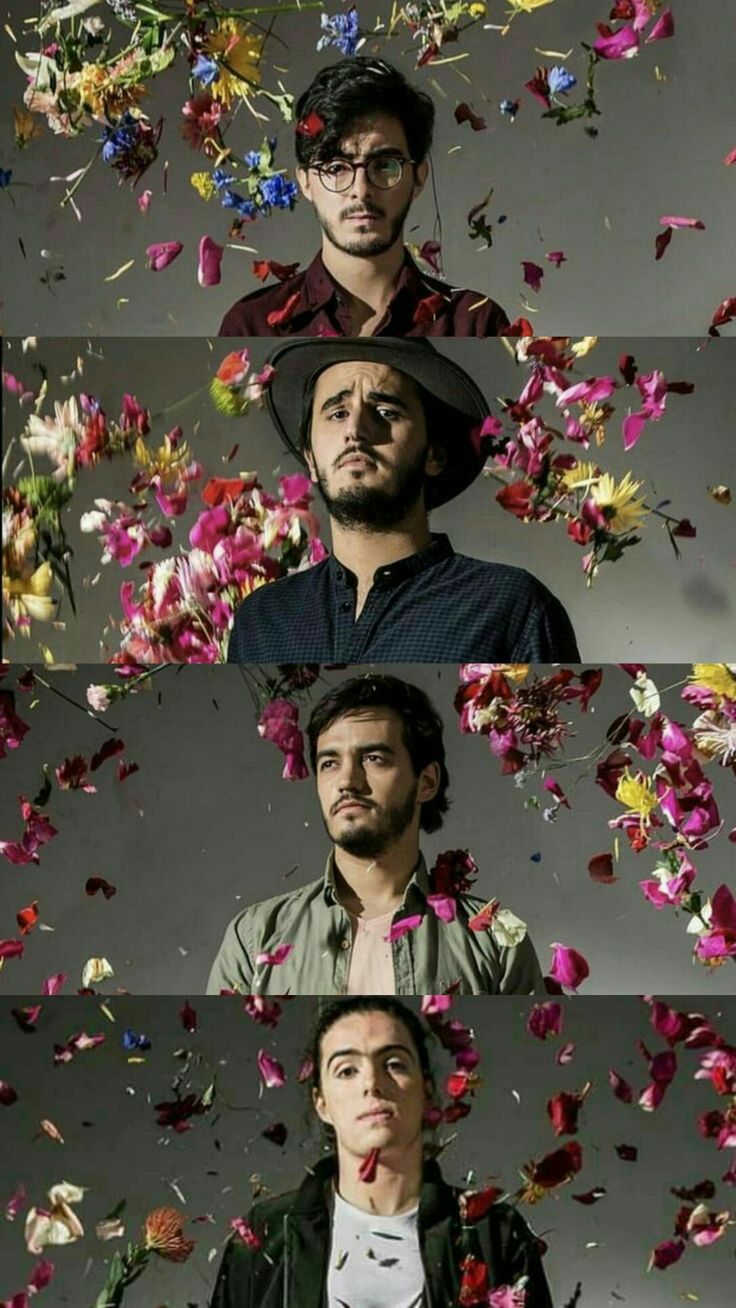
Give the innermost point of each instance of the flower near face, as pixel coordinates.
(279, 723)
(341, 31)
(163, 1233)
(58, 1226)
(237, 51)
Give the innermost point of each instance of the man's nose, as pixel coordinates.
(359, 422)
(361, 187)
(352, 773)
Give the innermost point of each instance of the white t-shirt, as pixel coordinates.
(374, 1261)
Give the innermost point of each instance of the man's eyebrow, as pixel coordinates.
(370, 748)
(378, 397)
(390, 150)
(385, 1049)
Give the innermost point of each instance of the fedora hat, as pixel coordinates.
(299, 362)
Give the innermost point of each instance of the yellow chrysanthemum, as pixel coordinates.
(623, 511)
(582, 477)
(238, 52)
(637, 795)
(203, 185)
(477, 11)
(166, 461)
(103, 94)
(719, 678)
(593, 419)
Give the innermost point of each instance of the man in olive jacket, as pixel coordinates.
(378, 922)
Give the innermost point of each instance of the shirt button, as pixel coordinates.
(345, 606)
(345, 943)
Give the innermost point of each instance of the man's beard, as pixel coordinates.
(374, 842)
(366, 246)
(376, 508)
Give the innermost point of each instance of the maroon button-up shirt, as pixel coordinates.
(312, 303)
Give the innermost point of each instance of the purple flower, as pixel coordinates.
(278, 193)
(246, 208)
(341, 30)
(561, 81)
(205, 69)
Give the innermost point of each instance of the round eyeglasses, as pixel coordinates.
(383, 171)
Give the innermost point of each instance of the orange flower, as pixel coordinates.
(163, 1231)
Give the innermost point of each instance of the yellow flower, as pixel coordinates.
(166, 461)
(637, 795)
(583, 346)
(102, 94)
(203, 185)
(477, 11)
(582, 477)
(30, 596)
(719, 678)
(238, 53)
(618, 502)
(593, 419)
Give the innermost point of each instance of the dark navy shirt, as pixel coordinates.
(434, 606)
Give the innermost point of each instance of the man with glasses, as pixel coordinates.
(362, 140)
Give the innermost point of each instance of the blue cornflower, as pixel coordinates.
(560, 80)
(278, 193)
(119, 140)
(246, 208)
(206, 69)
(253, 158)
(341, 30)
(5, 176)
(131, 1041)
(221, 177)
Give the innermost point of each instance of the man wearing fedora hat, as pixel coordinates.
(390, 429)
(363, 136)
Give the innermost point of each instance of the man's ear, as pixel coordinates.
(305, 183)
(429, 782)
(310, 463)
(436, 461)
(421, 173)
(320, 1108)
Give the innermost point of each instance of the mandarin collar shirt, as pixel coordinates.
(433, 606)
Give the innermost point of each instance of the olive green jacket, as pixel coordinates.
(428, 960)
(290, 1269)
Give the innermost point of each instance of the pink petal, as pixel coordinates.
(210, 262)
(623, 44)
(730, 157)
(632, 428)
(402, 927)
(569, 968)
(144, 201)
(275, 957)
(444, 906)
(52, 985)
(272, 1073)
(162, 254)
(669, 221)
(664, 27)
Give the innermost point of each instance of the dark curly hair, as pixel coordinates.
(422, 724)
(351, 89)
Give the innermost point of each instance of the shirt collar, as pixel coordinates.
(320, 286)
(391, 574)
(414, 896)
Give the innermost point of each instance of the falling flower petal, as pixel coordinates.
(162, 254)
(209, 269)
(272, 1073)
(369, 1166)
(403, 926)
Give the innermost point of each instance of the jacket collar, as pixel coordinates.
(415, 896)
(437, 1200)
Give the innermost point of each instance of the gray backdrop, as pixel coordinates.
(104, 1109)
(208, 826)
(690, 449)
(660, 150)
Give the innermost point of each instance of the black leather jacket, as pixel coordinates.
(290, 1270)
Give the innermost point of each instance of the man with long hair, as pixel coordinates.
(374, 1224)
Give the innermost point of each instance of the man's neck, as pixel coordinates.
(373, 887)
(369, 282)
(396, 1188)
(363, 552)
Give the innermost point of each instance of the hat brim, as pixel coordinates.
(297, 362)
